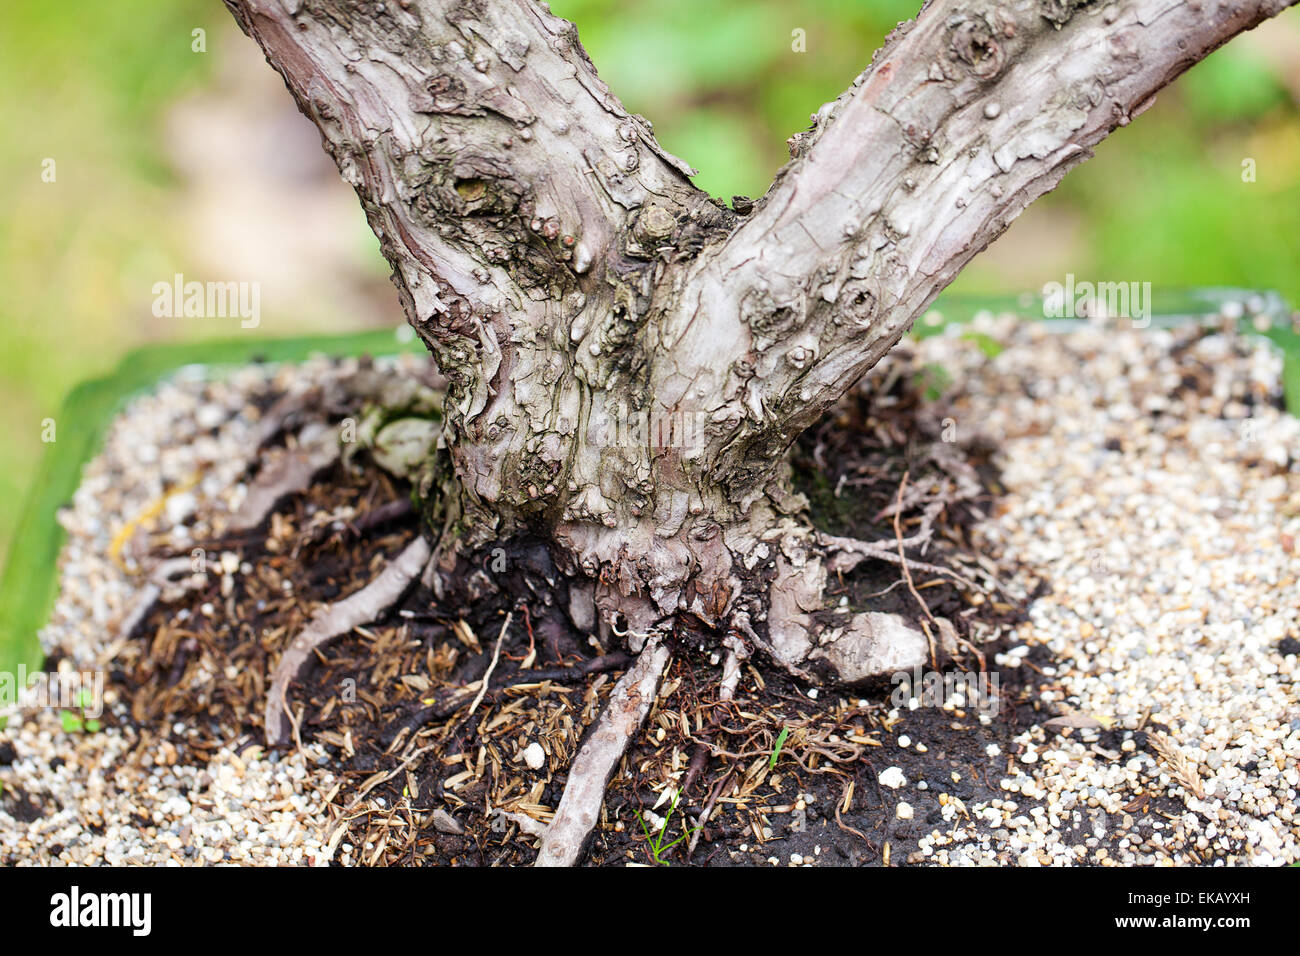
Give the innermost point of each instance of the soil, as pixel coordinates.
(394, 701)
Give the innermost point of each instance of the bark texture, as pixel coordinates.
(629, 360)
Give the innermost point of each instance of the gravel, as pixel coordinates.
(119, 795)
(1163, 521)
(892, 777)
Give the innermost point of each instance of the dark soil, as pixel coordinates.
(22, 806)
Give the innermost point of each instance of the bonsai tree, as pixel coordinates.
(627, 359)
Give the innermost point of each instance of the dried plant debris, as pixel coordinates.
(1092, 710)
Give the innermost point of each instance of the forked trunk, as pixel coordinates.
(628, 359)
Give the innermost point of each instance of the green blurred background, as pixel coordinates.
(171, 160)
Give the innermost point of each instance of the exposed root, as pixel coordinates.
(808, 636)
(335, 620)
(907, 572)
(290, 473)
(534, 828)
(492, 665)
(731, 668)
(290, 412)
(848, 553)
(579, 808)
(726, 691)
(704, 816)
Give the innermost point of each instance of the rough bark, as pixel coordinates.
(522, 210)
(576, 288)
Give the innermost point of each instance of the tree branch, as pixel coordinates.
(966, 115)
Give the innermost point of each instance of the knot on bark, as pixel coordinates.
(771, 318)
(856, 303)
(975, 42)
(482, 187)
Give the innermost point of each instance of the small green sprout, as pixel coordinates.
(656, 840)
(990, 346)
(74, 723)
(934, 380)
(780, 742)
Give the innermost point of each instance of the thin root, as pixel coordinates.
(333, 621)
(579, 808)
(290, 473)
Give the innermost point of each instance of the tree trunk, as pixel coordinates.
(629, 360)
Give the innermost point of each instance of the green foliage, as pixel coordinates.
(85, 83)
(934, 379)
(1163, 201)
(74, 723)
(987, 344)
(1233, 86)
